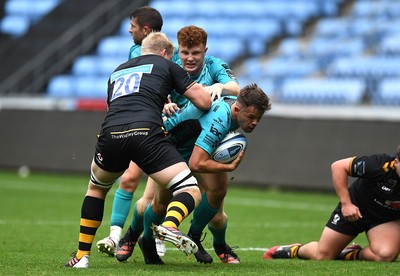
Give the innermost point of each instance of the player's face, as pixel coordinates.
(192, 58)
(137, 33)
(248, 118)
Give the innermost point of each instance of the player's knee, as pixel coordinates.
(129, 181)
(99, 183)
(219, 220)
(216, 196)
(324, 255)
(385, 254)
(185, 181)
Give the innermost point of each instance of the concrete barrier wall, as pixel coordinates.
(282, 152)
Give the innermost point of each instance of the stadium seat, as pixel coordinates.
(18, 8)
(95, 65)
(227, 49)
(332, 27)
(117, 46)
(389, 45)
(124, 27)
(388, 93)
(376, 9)
(14, 25)
(91, 87)
(85, 65)
(322, 91)
(378, 67)
(289, 68)
(61, 86)
(20, 14)
(39, 8)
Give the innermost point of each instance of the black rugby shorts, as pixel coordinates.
(337, 222)
(144, 143)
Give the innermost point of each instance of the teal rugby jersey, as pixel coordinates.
(214, 71)
(191, 126)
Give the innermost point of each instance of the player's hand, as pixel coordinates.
(235, 163)
(351, 212)
(170, 108)
(215, 90)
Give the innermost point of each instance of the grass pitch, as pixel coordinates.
(39, 224)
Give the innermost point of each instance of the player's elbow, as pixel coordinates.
(204, 104)
(194, 167)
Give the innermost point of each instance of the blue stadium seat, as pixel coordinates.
(95, 65)
(39, 8)
(174, 9)
(85, 65)
(61, 86)
(117, 46)
(227, 49)
(14, 25)
(377, 67)
(290, 48)
(388, 93)
(329, 27)
(289, 68)
(20, 14)
(389, 45)
(91, 87)
(18, 8)
(376, 9)
(124, 27)
(267, 85)
(322, 91)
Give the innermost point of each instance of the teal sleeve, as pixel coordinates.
(216, 123)
(219, 70)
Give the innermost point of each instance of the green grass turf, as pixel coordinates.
(39, 224)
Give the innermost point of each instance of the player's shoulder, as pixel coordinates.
(134, 51)
(372, 162)
(214, 61)
(223, 104)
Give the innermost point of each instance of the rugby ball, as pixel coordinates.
(230, 147)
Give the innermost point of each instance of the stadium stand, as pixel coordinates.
(21, 14)
(351, 45)
(232, 31)
(358, 44)
(50, 45)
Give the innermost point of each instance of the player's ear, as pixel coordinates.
(236, 108)
(147, 30)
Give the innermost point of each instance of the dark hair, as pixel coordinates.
(148, 16)
(191, 36)
(252, 95)
(398, 152)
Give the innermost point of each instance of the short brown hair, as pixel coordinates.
(191, 36)
(252, 95)
(148, 16)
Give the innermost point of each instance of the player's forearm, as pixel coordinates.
(231, 88)
(340, 181)
(210, 166)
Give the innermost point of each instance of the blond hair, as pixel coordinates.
(155, 43)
